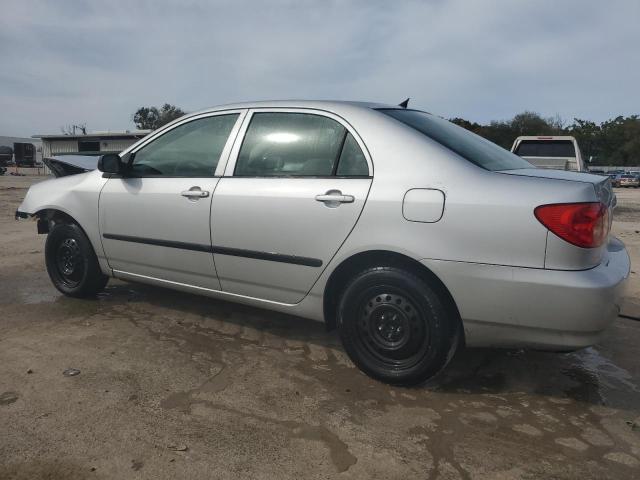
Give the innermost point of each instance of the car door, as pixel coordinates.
(291, 194)
(154, 221)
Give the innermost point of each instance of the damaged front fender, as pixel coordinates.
(73, 197)
(20, 215)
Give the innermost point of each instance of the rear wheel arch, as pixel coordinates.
(355, 264)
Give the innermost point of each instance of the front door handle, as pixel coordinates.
(194, 193)
(333, 198)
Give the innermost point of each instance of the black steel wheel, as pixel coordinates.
(395, 327)
(71, 262)
(391, 327)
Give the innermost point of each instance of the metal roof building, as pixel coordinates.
(93, 143)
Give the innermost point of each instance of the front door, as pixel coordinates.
(287, 203)
(154, 221)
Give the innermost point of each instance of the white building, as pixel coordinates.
(93, 143)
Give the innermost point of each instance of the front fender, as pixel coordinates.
(76, 196)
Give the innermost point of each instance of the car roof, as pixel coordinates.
(328, 105)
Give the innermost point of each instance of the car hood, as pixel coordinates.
(64, 165)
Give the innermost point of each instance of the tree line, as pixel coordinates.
(613, 142)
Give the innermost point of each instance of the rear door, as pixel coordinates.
(155, 220)
(291, 194)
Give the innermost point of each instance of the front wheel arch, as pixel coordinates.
(71, 261)
(51, 216)
(48, 218)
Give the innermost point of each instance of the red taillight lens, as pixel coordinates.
(583, 224)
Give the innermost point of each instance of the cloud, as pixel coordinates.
(97, 62)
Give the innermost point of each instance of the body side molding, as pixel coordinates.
(236, 252)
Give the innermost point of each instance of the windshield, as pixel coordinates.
(472, 147)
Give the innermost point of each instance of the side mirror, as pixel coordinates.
(111, 163)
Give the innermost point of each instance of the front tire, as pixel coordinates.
(395, 327)
(71, 262)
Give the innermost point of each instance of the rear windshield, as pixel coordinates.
(546, 148)
(470, 146)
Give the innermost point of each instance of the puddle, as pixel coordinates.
(598, 379)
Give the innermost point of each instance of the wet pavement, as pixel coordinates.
(175, 385)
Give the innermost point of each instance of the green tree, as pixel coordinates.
(588, 135)
(151, 118)
(620, 141)
(613, 142)
(504, 132)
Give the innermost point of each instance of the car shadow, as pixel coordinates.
(583, 376)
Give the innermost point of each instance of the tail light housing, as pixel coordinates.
(585, 225)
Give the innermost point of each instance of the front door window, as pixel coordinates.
(192, 149)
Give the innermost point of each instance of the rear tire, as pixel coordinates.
(71, 262)
(395, 327)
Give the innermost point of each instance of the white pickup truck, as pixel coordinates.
(552, 151)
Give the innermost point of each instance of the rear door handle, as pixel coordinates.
(334, 198)
(194, 193)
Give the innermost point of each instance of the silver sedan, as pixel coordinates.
(410, 235)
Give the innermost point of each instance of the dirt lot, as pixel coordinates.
(177, 386)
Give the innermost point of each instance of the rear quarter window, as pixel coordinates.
(468, 145)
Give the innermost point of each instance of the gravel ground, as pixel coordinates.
(173, 385)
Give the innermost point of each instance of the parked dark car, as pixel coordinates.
(6, 155)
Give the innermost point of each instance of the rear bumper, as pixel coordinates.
(536, 308)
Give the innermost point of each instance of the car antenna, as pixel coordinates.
(404, 104)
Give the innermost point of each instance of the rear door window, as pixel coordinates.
(352, 161)
(290, 145)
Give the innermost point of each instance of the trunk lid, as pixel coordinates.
(601, 184)
(561, 255)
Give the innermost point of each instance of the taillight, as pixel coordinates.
(583, 224)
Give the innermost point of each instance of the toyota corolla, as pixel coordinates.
(409, 234)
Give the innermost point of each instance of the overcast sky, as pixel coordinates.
(97, 62)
